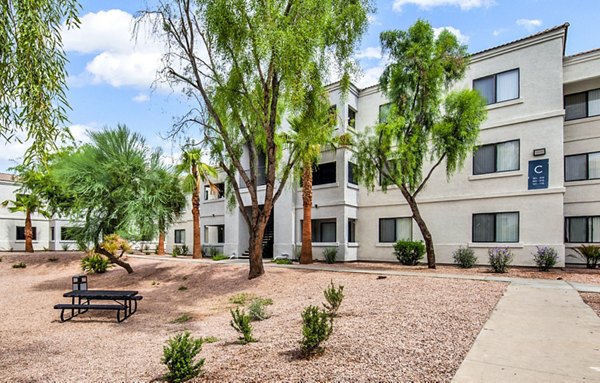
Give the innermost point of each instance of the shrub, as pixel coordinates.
(179, 356)
(330, 253)
(283, 261)
(219, 257)
(82, 246)
(334, 297)
(95, 263)
(316, 328)
(65, 246)
(545, 258)
(184, 250)
(409, 252)
(185, 317)
(52, 259)
(175, 252)
(257, 310)
(210, 339)
(20, 265)
(182, 288)
(241, 323)
(213, 251)
(464, 257)
(241, 298)
(589, 253)
(500, 258)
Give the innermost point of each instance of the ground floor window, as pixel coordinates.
(67, 233)
(324, 230)
(180, 236)
(351, 230)
(496, 227)
(214, 233)
(395, 229)
(21, 233)
(582, 229)
(52, 233)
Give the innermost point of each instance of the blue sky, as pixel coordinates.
(110, 76)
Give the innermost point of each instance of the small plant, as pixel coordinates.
(409, 252)
(219, 257)
(241, 298)
(316, 328)
(589, 253)
(175, 251)
(545, 258)
(184, 250)
(213, 252)
(46, 248)
(185, 317)
(65, 246)
(282, 261)
(82, 246)
(330, 253)
(241, 323)
(179, 355)
(182, 288)
(464, 257)
(95, 263)
(52, 259)
(146, 248)
(334, 297)
(257, 310)
(500, 258)
(20, 265)
(210, 339)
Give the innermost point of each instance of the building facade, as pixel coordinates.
(534, 180)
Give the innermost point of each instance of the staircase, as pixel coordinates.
(267, 243)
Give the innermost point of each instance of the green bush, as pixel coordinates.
(330, 253)
(219, 257)
(500, 258)
(213, 251)
(590, 254)
(210, 339)
(65, 246)
(283, 261)
(184, 250)
(464, 257)
(179, 356)
(241, 298)
(241, 323)
(409, 252)
(257, 309)
(185, 317)
(316, 328)
(545, 258)
(20, 265)
(82, 245)
(95, 263)
(334, 297)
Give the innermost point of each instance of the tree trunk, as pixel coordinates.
(197, 250)
(160, 248)
(256, 262)
(28, 233)
(113, 259)
(306, 256)
(422, 227)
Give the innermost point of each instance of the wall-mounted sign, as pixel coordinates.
(538, 174)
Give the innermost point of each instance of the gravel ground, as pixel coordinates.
(392, 329)
(593, 300)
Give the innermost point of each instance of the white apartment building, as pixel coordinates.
(534, 181)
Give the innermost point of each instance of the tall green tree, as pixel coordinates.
(28, 204)
(245, 63)
(195, 172)
(428, 124)
(32, 71)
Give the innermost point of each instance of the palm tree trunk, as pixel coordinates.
(197, 250)
(306, 256)
(28, 232)
(160, 248)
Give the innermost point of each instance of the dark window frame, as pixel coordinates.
(587, 228)
(495, 77)
(176, 238)
(320, 221)
(351, 230)
(587, 166)
(351, 122)
(329, 182)
(587, 104)
(351, 178)
(495, 144)
(395, 227)
(380, 119)
(518, 213)
(33, 229)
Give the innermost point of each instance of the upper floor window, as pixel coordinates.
(21, 233)
(217, 191)
(499, 157)
(395, 229)
(180, 236)
(384, 111)
(582, 229)
(581, 167)
(351, 177)
(581, 105)
(324, 174)
(351, 118)
(496, 227)
(498, 87)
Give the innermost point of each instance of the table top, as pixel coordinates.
(99, 294)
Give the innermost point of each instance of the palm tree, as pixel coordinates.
(28, 204)
(195, 172)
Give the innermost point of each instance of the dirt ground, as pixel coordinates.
(392, 329)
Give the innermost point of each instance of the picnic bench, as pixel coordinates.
(124, 302)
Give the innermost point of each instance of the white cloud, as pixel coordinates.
(428, 4)
(529, 24)
(141, 98)
(370, 76)
(373, 20)
(499, 31)
(370, 53)
(463, 39)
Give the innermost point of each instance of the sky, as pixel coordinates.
(111, 75)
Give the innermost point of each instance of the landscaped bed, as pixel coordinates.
(391, 329)
(592, 300)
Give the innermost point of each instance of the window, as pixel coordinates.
(498, 87)
(493, 158)
(351, 230)
(67, 233)
(351, 118)
(395, 229)
(217, 191)
(333, 114)
(581, 105)
(324, 174)
(180, 236)
(581, 167)
(323, 230)
(582, 229)
(21, 233)
(384, 111)
(214, 233)
(52, 233)
(496, 227)
(351, 178)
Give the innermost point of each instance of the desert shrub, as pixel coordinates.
(590, 254)
(283, 261)
(210, 339)
(316, 328)
(65, 246)
(46, 249)
(241, 323)
(500, 258)
(179, 355)
(182, 288)
(241, 298)
(334, 297)
(20, 265)
(52, 259)
(330, 253)
(409, 252)
(545, 258)
(184, 250)
(464, 257)
(185, 317)
(95, 263)
(213, 251)
(257, 309)
(219, 257)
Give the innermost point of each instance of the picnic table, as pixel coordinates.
(124, 302)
